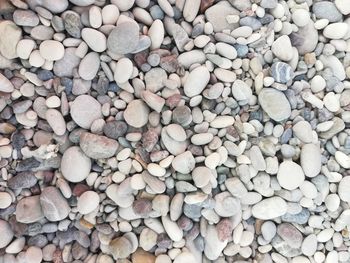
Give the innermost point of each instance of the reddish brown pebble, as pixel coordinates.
(79, 189)
(142, 206)
(173, 101)
(224, 229)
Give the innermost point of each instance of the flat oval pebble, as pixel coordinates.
(123, 38)
(54, 206)
(88, 202)
(85, 110)
(5, 84)
(275, 104)
(5, 200)
(269, 208)
(75, 165)
(56, 121)
(89, 66)
(310, 159)
(196, 81)
(136, 113)
(51, 50)
(123, 70)
(96, 40)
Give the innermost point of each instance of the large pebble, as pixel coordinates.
(213, 246)
(75, 165)
(136, 113)
(5, 200)
(6, 233)
(336, 30)
(196, 81)
(5, 84)
(56, 121)
(310, 159)
(55, 207)
(85, 110)
(269, 208)
(94, 39)
(96, 146)
(290, 234)
(29, 210)
(290, 175)
(184, 162)
(303, 131)
(172, 229)
(282, 48)
(217, 14)
(89, 66)
(343, 189)
(123, 70)
(13, 35)
(275, 104)
(124, 38)
(241, 91)
(51, 50)
(327, 10)
(88, 202)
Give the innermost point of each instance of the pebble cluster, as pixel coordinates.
(184, 131)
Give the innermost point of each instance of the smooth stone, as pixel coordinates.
(327, 10)
(226, 205)
(343, 6)
(124, 38)
(269, 208)
(13, 35)
(156, 34)
(141, 256)
(110, 14)
(306, 39)
(303, 131)
(301, 17)
(310, 159)
(343, 189)
(24, 48)
(88, 202)
(176, 132)
(89, 66)
(29, 210)
(281, 72)
(22, 180)
(268, 230)
(335, 65)
(154, 79)
(57, 6)
(136, 113)
(55, 207)
(196, 81)
(173, 146)
(332, 202)
(343, 159)
(6, 233)
(96, 146)
(56, 121)
(275, 104)
(5, 200)
(25, 18)
(180, 36)
(290, 175)
(216, 15)
(72, 23)
(65, 66)
(75, 165)
(241, 91)
(51, 50)
(123, 70)
(184, 162)
(213, 246)
(120, 248)
(172, 229)
(82, 2)
(335, 30)
(309, 245)
(201, 176)
(5, 84)
(282, 48)
(85, 110)
(115, 129)
(33, 255)
(331, 102)
(290, 234)
(96, 40)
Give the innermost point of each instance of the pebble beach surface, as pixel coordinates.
(184, 131)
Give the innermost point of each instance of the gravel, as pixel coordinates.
(159, 131)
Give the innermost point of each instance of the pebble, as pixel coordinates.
(290, 234)
(335, 30)
(95, 146)
(282, 49)
(6, 233)
(309, 245)
(13, 35)
(269, 208)
(301, 17)
(25, 18)
(326, 10)
(54, 206)
(34, 255)
(123, 70)
(275, 104)
(5, 84)
(75, 165)
(342, 189)
(303, 131)
(29, 210)
(184, 162)
(216, 16)
(56, 121)
(281, 72)
(94, 39)
(136, 113)
(89, 66)
(51, 50)
(5, 200)
(310, 159)
(85, 110)
(283, 176)
(22, 180)
(124, 38)
(196, 81)
(88, 202)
